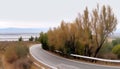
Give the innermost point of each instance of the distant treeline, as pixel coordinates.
(30, 39)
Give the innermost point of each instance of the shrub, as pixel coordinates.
(107, 48)
(15, 52)
(31, 38)
(20, 39)
(10, 55)
(52, 48)
(23, 64)
(21, 51)
(36, 39)
(44, 40)
(116, 41)
(116, 50)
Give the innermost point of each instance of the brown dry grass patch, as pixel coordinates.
(18, 64)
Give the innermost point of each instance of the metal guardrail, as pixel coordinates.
(98, 59)
(92, 58)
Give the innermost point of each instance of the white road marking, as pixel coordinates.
(39, 45)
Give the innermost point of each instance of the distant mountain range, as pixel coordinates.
(116, 33)
(22, 30)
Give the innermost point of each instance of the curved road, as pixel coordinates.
(55, 62)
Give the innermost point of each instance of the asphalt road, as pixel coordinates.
(54, 61)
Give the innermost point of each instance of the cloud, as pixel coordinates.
(27, 24)
(46, 13)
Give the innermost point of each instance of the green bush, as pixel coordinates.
(107, 48)
(36, 39)
(116, 41)
(116, 50)
(31, 38)
(44, 40)
(52, 48)
(20, 39)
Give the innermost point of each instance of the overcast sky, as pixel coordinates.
(46, 13)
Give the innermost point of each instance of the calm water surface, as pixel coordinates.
(15, 36)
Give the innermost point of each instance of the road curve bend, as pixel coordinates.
(56, 62)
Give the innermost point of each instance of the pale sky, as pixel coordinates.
(47, 13)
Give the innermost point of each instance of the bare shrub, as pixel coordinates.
(14, 53)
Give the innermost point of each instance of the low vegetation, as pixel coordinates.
(18, 55)
(17, 52)
(116, 41)
(31, 38)
(116, 50)
(5, 44)
(20, 39)
(44, 40)
(15, 55)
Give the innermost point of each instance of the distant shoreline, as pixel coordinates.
(16, 36)
(16, 33)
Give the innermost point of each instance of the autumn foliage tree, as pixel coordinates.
(86, 35)
(104, 23)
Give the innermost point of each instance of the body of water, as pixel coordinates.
(16, 36)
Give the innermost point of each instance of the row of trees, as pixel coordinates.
(85, 36)
(30, 39)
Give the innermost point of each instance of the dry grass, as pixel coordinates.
(34, 67)
(6, 44)
(18, 64)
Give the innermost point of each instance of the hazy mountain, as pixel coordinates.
(38, 30)
(22, 30)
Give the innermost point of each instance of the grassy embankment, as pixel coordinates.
(13, 55)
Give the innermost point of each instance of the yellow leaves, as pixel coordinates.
(89, 29)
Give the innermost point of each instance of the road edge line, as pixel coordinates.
(41, 61)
